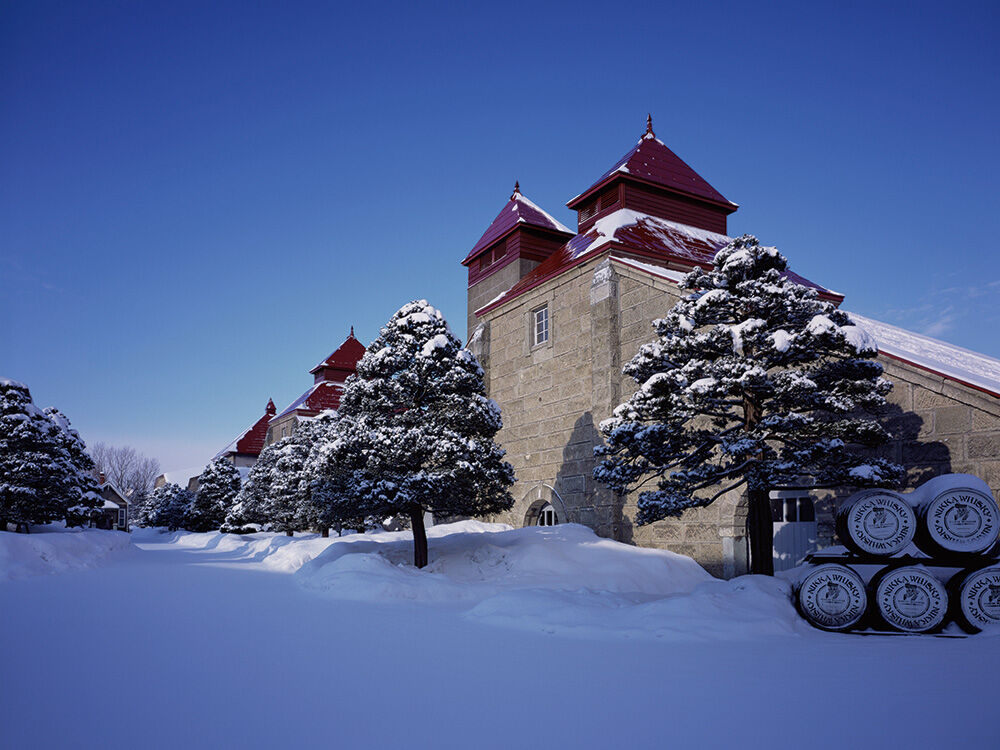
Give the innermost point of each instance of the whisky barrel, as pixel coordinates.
(957, 515)
(909, 598)
(831, 597)
(876, 522)
(975, 598)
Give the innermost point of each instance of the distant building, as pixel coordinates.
(328, 385)
(113, 513)
(553, 315)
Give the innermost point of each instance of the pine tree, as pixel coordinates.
(218, 487)
(416, 430)
(43, 465)
(755, 380)
(251, 506)
(81, 496)
(313, 506)
(168, 506)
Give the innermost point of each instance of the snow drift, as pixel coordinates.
(55, 549)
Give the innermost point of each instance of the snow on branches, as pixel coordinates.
(752, 378)
(416, 430)
(45, 472)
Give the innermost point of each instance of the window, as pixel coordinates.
(121, 517)
(540, 330)
(547, 515)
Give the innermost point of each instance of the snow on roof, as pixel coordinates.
(948, 360)
(518, 210)
(115, 487)
(664, 273)
(321, 396)
(660, 239)
(182, 476)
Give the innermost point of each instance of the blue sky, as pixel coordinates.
(197, 200)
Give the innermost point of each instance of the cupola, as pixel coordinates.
(652, 179)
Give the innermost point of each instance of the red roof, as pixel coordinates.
(652, 162)
(345, 357)
(251, 442)
(519, 211)
(642, 235)
(322, 396)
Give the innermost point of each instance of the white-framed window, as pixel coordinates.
(121, 517)
(547, 515)
(540, 326)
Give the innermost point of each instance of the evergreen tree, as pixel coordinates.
(416, 430)
(42, 463)
(168, 506)
(313, 506)
(755, 380)
(81, 497)
(218, 487)
(251, 506)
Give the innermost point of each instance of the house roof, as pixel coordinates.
(950, 361)
(345, 356)
(251, 440)
(519, 211)
(652, 162)
(322, 396)
(109, 485)
(647, 236)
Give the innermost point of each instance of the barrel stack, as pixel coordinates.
(910, 563)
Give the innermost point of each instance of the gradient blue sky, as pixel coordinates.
(197, 200)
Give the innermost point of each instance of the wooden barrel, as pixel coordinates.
(957, 515)
(831, 597)
(909, 598)
(876, 522)
(975, 598)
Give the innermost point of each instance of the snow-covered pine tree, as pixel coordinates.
(314, 509)
(168, 506)
(251, 506)
(755, 380)
(41, 463)
(416, 430)
(81, 498)
(218, 487)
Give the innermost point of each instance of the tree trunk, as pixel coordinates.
(759, 524)
(288, 533)
(761, 531)
(325, 532)
(419, 536)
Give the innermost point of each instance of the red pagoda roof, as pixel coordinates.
(251, 441)
(519, 211)
(640, 235)
(652, 162)
(345, 357)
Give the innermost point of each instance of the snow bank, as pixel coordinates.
(559, 579)
(55, 549)
(472, 561)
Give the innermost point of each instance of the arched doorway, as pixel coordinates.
(544, 507)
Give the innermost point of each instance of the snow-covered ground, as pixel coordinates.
(54, 549)
(544, 637)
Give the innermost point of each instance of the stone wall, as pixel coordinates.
(486, 290)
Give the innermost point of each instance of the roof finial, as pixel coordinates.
(649, 126)
(352, 332)
(517, 190)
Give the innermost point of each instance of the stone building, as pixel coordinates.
(553, 315)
